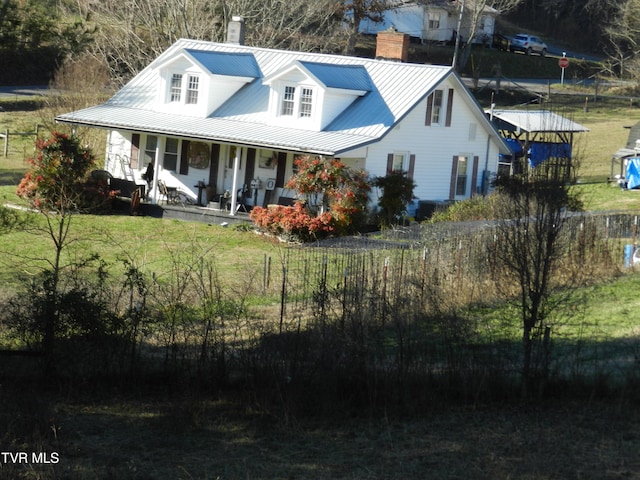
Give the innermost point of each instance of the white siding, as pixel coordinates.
(436, 149)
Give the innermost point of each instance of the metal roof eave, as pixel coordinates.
(358, 141)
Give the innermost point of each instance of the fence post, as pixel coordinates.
(6, 142)
(283, 297)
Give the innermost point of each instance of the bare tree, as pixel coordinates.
(472, 13)
(355, 12)
(130, 34)
(623, 33)
(528, 246)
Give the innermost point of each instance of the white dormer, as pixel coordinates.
(310, 95)
(197, 82)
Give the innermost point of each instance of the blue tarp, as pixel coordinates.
(539, 152)
(633, 173)
(515, 146)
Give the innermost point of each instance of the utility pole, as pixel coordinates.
(457, 44)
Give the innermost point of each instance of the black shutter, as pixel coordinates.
(213, 167)
(250, 167)
(389, 163)
(282, 165)
(427, 120)
(449, 108)
(184, 160)
(412, 166)
(454, 174)
(135, 150)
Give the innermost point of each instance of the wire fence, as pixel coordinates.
(410, 262)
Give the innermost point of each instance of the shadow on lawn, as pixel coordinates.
(11, 177)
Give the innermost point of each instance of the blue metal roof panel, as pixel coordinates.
(223, 63)
(349, 77)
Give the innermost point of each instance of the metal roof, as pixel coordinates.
(394, 89)
(217, 129)
(220, 63)
(537, 121)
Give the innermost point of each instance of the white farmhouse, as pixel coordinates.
(435, 20)
(233, 118)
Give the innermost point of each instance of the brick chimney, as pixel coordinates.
(392, 45)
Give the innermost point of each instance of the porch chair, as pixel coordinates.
(170, 194)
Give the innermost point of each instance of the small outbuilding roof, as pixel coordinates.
(537, 121)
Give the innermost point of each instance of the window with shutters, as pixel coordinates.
(436, 108)
(436, 113)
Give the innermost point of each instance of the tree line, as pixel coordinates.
(38, 36)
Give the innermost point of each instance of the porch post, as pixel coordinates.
(234, 192)
(156, 173)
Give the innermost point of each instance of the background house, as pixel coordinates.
(216, 118)
(434, 21)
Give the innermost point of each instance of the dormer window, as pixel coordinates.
(192, 89)
(288, 100)
(310, 95)
(188, 83)
(306, 102)
(297, 102)
(176, 87)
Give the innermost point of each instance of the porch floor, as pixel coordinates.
(191, 213)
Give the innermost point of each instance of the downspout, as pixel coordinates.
(485, 174)
(234, 191)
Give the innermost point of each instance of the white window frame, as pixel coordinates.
(400, 162)
(192, 88)
(436, 107)
(175, 88)
(462, 177)
(297, 101)
(150, 147)
(170, 154)
(183, 88)
(434, 20)
(306, 102)
(288, 104)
